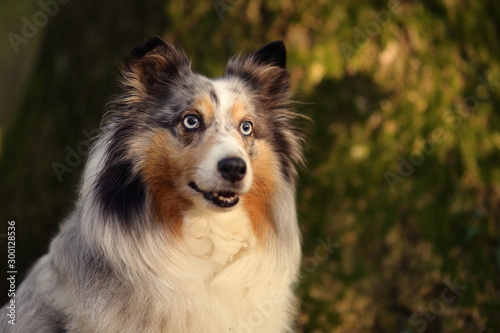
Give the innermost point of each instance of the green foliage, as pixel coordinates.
(403, 151)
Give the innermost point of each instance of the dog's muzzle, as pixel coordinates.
(231, 169)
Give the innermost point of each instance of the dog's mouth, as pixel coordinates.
(224, 199)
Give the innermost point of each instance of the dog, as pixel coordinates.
(186, 218)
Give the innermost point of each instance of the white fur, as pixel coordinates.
(208, 178)
(217, 279)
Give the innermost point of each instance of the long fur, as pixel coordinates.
(146, 249)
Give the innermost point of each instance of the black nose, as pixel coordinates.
(232, 169)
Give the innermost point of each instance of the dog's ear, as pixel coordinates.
(153, 64)
(264, 71)
(273, 54)
(153, 45)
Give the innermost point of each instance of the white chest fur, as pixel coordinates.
(218, 237)
(228, 275)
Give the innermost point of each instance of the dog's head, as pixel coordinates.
(179, 140)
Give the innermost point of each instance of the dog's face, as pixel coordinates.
(182, 141)
(210, 145)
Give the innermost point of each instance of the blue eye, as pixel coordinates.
(191, 122)
(246, 128)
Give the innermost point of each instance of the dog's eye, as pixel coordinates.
(191, 122)
(246, 128)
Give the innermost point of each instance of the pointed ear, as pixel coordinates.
(273, 54)
(154, 45)
(265, 72)
(154, 64)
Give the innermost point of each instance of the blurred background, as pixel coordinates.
(400, 201)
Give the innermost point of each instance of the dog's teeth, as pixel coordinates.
(223, 199)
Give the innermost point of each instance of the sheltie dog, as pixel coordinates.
(186, 218)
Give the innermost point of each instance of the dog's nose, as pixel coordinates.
(232, 169)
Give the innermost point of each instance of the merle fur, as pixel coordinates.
(161, 68)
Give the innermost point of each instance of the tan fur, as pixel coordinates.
(205, 106)
(162, 173)
(257, 201)
(238, 112)
(170, 232)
